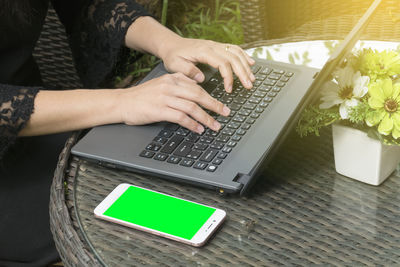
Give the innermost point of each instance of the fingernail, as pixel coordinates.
(226, 110)
(199, 77)
(217, 125)
(252, 77)
(249, 84)
(229, 88)
(200, 129)
(252, 61)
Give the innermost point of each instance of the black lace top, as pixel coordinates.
(96, 31)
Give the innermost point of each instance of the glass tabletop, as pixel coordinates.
(301, 212)
(312, 53)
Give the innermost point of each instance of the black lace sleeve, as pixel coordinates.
(16, 107)
(96, 30)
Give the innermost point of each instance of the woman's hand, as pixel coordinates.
(181, 56)
(172, 97)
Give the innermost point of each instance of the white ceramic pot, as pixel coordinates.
(363, 158)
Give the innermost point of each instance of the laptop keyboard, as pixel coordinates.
(177, 145)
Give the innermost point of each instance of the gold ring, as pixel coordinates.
(227, 48)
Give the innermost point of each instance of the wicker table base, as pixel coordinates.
(300, 212)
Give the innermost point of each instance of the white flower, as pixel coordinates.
(346, 91)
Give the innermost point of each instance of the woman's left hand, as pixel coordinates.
(227, 58)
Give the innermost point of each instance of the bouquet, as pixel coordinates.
(364, 93)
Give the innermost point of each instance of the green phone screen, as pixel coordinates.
(159, 212)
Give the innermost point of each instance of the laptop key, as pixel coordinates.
(249, 106)
(161, 157)
(174, 159)
(161, 140)
(206, 140)
(187, 162)
(236, 138)
(222, 155)
(183, 132)
(209, 155)
(266, 71)
(246, 126)
(171, 127)
(217, 145)
(194, 154)
(241, 132)
(233, 125)
(217, 161)
(165, 133)
(223, 119)
(193, 137)
(244, 112)
(200, 146)
(289, 74)
(228, 132)
(234, 106)
(172, 144)
(226, 150)
(183, 149)
(212, 168)
(200, 165)
(231, 144)
(153, 147)
(280, 84)
(222, 138)
(147, 154)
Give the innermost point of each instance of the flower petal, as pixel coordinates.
(375, 103)
(344, 111)
(387, 88)
(361, 86)
(375, 91)
(345, 77)
(386, 125)
(396, 132)
(351, 102)
(374, 117)
(396, 90)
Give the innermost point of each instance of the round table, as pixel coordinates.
(300, 211)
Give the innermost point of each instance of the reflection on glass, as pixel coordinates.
(311, 53)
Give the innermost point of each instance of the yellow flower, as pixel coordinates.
(385, 100)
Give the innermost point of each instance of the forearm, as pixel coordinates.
(148, 35)
(60, 111)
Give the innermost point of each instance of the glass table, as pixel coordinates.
(300, 211)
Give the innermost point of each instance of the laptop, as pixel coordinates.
(229, 160)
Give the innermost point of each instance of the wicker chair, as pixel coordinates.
(298, 20)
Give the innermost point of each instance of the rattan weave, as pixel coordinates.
(300, 20)
(301, 212)
(53, 55)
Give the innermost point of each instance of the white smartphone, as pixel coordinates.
(160, 214)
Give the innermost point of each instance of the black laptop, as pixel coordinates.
(228, 160)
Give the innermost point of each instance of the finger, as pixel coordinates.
(239, 69)
(248, 58)
(211, 58)
(189, 69)
(242, 56)
(194, 111)
(181, 118)
(197, 94)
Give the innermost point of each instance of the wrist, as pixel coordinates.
(166, 47)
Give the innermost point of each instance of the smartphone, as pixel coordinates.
(160, 214)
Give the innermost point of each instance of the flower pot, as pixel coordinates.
(363, 158)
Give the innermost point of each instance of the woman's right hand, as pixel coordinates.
(171, 97)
